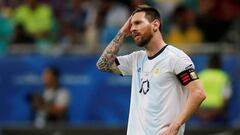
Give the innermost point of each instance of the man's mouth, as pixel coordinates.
(136, 35)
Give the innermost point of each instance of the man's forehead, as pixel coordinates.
(137, 16)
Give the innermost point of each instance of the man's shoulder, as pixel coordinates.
(140, 52)
(136, 54)
(175, 52)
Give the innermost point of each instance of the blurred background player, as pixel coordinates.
(184, 29)
(217, 85)
(52, 106)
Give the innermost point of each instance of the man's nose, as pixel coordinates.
(133, 29)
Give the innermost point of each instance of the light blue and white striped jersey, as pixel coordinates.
(157, 96)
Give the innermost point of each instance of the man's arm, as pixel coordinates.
(195, 98)
(106, 62)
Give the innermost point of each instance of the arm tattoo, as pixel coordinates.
(108, 57)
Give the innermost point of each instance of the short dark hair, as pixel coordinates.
(215, 61)
(54, 71)
(150, 13)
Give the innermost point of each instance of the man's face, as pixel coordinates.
(48, 78)
(141, 29)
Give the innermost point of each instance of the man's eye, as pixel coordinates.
(138, 22)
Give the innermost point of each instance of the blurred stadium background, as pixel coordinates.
(71, 34)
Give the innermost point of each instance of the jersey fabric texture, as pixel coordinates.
(157, 96)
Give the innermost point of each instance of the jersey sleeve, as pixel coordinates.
(184, 69)
(182, 64)
(125, 63)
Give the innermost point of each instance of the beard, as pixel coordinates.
(144, 40)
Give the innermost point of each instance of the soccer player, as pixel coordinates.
(166, 90)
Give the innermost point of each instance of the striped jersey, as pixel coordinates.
(157, 96)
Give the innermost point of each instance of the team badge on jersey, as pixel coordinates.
(156, 72)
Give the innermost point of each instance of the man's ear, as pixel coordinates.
(156, 25)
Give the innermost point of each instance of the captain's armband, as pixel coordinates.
(187, 76)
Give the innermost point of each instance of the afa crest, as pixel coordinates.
(156, 72)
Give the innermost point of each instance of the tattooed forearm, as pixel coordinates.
(106, 61)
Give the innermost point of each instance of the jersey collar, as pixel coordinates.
(159, 52)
